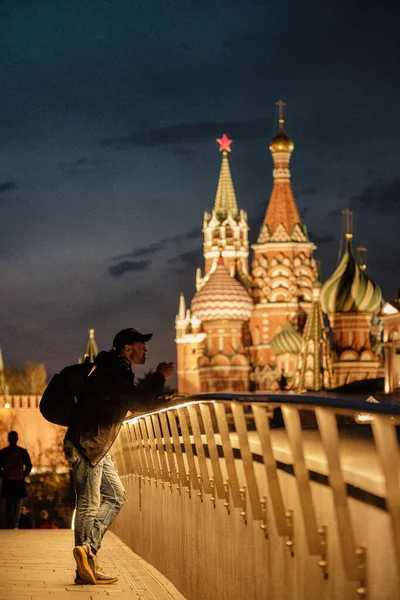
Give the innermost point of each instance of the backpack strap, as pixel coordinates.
(92, 370)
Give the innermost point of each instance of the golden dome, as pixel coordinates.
(281, 142)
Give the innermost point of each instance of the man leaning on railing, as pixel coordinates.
(108, 395)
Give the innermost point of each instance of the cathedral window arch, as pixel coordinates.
(280, 295)
(280, 270)
(280, 283)
(303, 270)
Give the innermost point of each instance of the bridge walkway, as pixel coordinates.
(38, 564)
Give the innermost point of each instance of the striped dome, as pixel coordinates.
(287, 341)
(222, 297)
(350, 289)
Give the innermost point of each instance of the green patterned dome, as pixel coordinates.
(350, 289)
(287, 341)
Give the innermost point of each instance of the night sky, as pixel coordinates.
(109, 111)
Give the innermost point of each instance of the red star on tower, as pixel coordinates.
(224, 143)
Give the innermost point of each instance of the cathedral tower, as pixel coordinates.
(314, 370)
(350, 298)
(283, 269)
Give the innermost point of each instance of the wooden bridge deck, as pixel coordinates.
(38, 564)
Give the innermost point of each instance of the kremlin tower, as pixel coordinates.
(350, 298)
(225, 230)
(283, 269)
(209, 335)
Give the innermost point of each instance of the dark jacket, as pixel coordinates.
(108, 395)
(14, 484)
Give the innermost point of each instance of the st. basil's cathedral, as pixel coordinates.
(265, 328)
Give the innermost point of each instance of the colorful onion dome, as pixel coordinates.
(281, 142)
(287, 341)
(350, 289)
(222, 297)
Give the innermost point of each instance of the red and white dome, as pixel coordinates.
(222, 297)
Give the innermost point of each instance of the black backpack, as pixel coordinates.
(62, 393)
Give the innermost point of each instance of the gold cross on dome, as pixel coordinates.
(349, 222)
(362, 257)
(280, 104)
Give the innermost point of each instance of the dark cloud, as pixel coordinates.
(307, 191)
(193, 234)
(187, 260)
(5, 186)
(79, 166)
(195, 132)
(161, 245)
(379, 197)
(143, 251)
(304, 211)
(336, 212)
(321, 239)
(128, 266)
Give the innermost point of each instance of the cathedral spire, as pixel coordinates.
(282, 213)
(225, 199)
(91, 348)
(182, 307)
(315, 364)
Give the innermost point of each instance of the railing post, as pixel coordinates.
(168, 449)
(212, 449)
(201, 457)
(248, 465)
(193, 474)
(232, 481)
(293, 430)
(387, 446)
(330, 440)
(274, 488)
(178, 450)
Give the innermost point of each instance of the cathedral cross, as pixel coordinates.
(348, 220)
(280, 104)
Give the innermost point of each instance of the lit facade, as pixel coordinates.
(281, 328)
(390, 315)
(350, 299)
(283, 268)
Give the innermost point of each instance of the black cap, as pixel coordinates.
(129, 336)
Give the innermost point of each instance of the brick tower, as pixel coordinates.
(283, 269)
(225, 239)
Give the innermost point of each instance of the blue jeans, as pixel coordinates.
(100, 496)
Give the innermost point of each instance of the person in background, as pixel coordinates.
(25, 521)
(45, 522)
(15, 465)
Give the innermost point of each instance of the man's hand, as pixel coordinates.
(165, 369)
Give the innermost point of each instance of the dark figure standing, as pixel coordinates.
(15, 465)
(108, 395)
(25, 521)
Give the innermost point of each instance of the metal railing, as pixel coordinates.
(245, 452)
